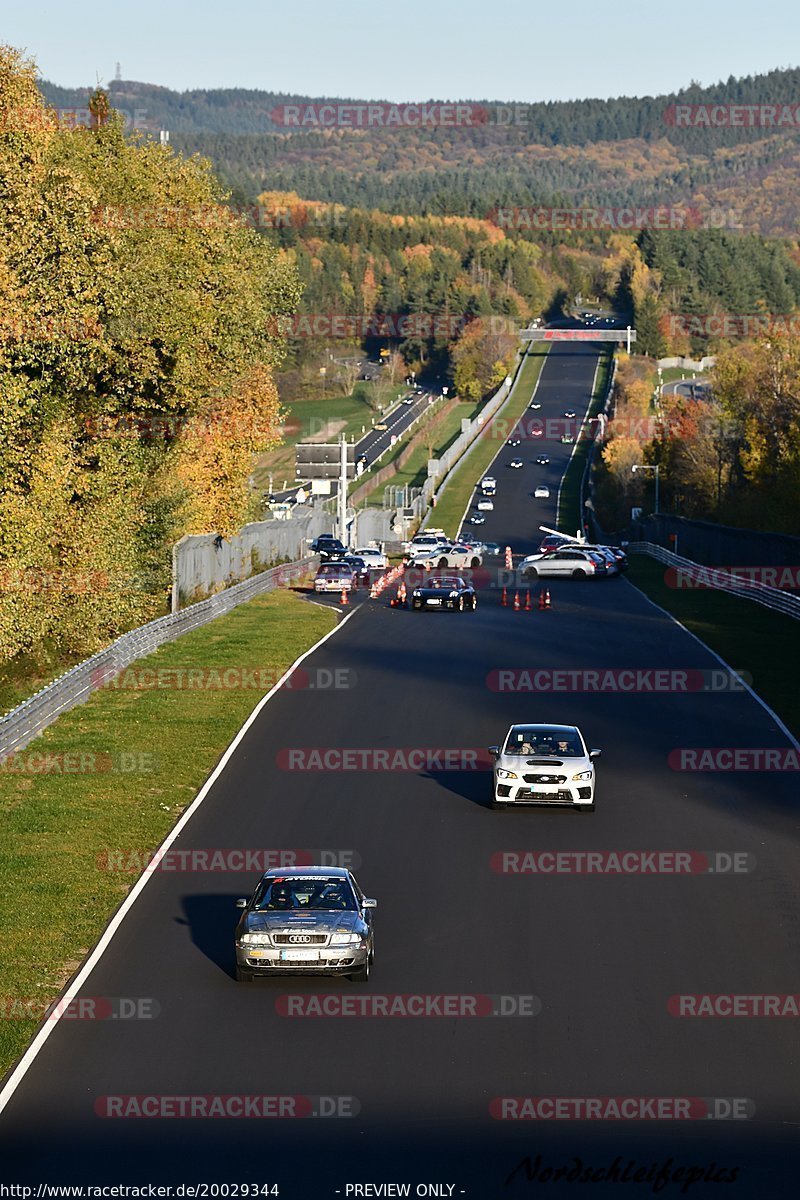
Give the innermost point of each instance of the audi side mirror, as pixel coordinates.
(370, 903)
(241, 903)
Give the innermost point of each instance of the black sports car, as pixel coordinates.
(444, 591)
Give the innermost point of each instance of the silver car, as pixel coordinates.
(544, 764)
(566, 562)
(334, 577)
(306, 920)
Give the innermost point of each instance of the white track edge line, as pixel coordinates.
(770, 711)
(22, 1067)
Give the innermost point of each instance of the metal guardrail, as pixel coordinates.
(29, 719)
(699, 576)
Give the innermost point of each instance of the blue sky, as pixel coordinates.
(409, 50)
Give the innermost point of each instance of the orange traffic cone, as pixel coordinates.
(509, 564)
(528, 600)
(516, 602)
(344, 599)
(544, 599)
(504, 600)
(401, 596)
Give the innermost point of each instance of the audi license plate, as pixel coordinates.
(300, 955)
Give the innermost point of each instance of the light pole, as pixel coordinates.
(648, 467)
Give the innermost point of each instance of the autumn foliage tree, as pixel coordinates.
(135, 311)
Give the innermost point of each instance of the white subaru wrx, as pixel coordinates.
(543, 764)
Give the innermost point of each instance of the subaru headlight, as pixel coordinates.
(346, 939)
(256, 939)
(502, 774)
(582, 775)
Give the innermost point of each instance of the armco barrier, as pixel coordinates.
(700, 576)
(29, 719)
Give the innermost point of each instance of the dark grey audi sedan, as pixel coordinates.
(306, 920)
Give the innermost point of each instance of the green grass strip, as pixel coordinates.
(152, 747)
(570, 516)
(750, 638)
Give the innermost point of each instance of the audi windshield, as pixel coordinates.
(295, 893)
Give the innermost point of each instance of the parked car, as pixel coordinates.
(374, 558)
(454, 554)
(328, 547)
(360, 568)
(334, 577)
(305, 920)
(553, 541)
(565, 562)
(543, 764)
(448, 591)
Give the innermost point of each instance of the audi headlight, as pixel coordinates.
(501, 774)
(346, 939)
(582, 775)
(256, 939)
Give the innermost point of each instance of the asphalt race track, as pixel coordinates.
(601, 953)
(565, 384)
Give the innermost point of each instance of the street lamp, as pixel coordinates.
(648, 467)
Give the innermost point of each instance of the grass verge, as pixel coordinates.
(569, 516)
(147, 752)
(750, 638)
(460, 484)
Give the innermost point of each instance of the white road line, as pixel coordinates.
(77, 983)
(771, 712)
